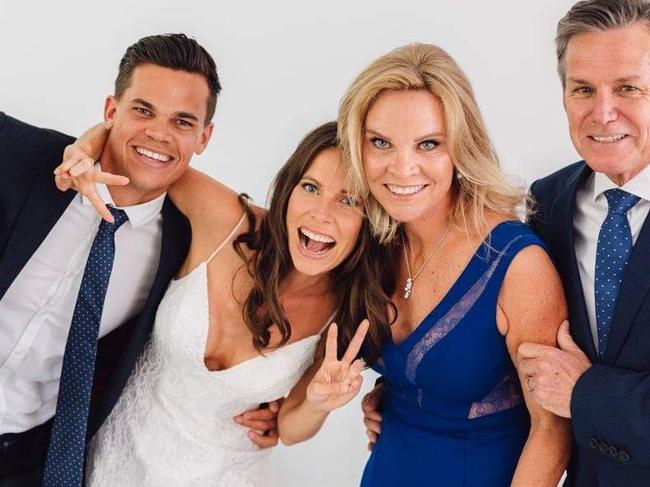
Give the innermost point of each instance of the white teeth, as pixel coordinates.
(608, 138)
(152, 155)
(404, 189)
(317, 236)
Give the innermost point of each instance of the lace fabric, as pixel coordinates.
(173, 424)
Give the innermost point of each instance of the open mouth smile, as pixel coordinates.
(314, 243)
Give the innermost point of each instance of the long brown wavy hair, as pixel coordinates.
(364, 280)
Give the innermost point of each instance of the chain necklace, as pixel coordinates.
(408, 285)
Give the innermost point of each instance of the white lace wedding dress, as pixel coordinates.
(173, 425)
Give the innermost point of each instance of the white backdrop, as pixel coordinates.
(284, 65)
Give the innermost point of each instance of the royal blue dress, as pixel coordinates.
(453, 412)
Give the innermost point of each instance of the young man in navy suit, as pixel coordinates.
(67, 279)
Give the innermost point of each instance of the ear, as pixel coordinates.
(110, 108)
(204, 138)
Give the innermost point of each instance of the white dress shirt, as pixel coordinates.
(36, 311)
(591, 210)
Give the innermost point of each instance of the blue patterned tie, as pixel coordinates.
(612, 254)
(65, 456)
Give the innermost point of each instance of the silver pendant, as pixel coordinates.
(408, 287)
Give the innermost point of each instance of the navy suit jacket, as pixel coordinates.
(610, 406)
(30, 205)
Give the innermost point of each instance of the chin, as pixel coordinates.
(404, 215)
(313, 270)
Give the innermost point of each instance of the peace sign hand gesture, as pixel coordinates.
(338, 381)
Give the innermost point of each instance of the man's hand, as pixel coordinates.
(371, 407)
(552, 373)
(263, 422)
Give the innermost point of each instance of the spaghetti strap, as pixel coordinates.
(328, 322)
(230, 235)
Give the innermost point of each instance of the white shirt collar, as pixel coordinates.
(639, 185)
(138, 214)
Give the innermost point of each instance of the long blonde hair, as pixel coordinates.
(480, 185)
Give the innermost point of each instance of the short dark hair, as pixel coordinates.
(173, 51)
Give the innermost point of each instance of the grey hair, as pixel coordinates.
(596, 16)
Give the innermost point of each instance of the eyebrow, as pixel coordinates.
(148, 105)
(422, 137)
(624, 79)
(318, 183)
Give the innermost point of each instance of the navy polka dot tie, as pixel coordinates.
(612, 255)
(65, 456)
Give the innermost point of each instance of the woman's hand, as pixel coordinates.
(78, 171)
(337, 381)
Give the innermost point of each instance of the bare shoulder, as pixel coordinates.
(209, 204)
(532, 297)
(214, 211)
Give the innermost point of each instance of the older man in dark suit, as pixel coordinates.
(593, 215)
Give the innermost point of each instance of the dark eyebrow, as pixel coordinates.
(142, 102)
(312, 179)
(317, 183)
(145, 103)
(187, 115)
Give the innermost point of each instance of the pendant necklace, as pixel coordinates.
(408, 285)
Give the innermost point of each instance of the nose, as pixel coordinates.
(157, 130)
(403, 165)
(605, 109)
(322, 210)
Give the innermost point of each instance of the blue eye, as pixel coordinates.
(310, 188)
(380, 143)
(429, 144)
(351, 201)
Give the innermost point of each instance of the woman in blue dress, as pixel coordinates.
(473, 283)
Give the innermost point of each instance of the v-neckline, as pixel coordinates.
(452, 288)
(265, 354)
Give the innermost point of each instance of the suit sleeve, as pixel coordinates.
(26, 152)
(610, 406)
(534, 208)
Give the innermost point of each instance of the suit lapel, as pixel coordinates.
(565, 208)
(632, 294)
(43, 207)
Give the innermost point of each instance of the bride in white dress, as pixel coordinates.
(242, 323)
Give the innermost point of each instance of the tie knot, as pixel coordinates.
(620, 201)
(119, 216)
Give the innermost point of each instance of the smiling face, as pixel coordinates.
(607, 99)
(323, 220)
(405, 158)
(156, 126)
